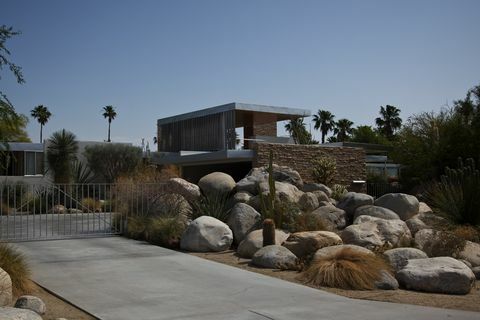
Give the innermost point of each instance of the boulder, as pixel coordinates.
(306, 243)
(5, 288)
(471, 253)
(321, 196)
(243, 219)
(476, 272)
(374, 211)
(59, 209)
(335, 218)
(353, 200)
(312, 187)
(424, 208)
(255, 202)
(74, 210)
(275, 257)
(284, 192)
(386, 282)
(8, 313)
(399, 257)
(254, 241)
(288, 175)
(206, 234)
(415, 225)
(242, 196)
(257, 175)
(308, 202)
(327, 251)
(438, 275)
(31, 303)
(439, 243)
(468, 264)
(406, 206)
(190, 191)
(216, 184)
(374, 233)
(431, 219)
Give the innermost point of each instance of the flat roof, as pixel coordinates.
(25, 146)
(284, 113)
(186, 158)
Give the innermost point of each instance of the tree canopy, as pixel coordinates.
(297, 130)
(323, 120)
(389, 121)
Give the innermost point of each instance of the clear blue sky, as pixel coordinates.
(152, 59)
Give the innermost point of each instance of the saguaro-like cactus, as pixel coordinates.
(268, 232)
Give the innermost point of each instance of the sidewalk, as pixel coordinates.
(121, 279)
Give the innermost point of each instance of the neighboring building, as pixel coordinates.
(23, 161)
(376, 159)
(204, 141)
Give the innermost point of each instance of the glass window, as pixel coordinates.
(39, 163)
(29, 163)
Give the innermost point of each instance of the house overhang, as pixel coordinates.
(190, 158)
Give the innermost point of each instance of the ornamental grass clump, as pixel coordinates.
(15, 264)
(346, 269)
(215, 205)
(324, 170)
(457, 195)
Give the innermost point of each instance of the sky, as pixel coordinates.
(154, 59)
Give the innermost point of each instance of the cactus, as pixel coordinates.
(268, 202)
(268, 232)
(457, 194)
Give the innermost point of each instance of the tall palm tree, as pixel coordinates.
(389, 121)
(343, 129)
(296, 129)
(324, 121)
(109, 112)
(42, 114)
(61, 153)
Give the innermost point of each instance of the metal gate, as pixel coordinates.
(61, 211)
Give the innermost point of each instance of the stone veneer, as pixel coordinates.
(350, 161)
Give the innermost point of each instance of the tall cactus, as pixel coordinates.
(268, 201)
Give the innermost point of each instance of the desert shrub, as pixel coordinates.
(5, 209)
(13, 194)
(15, 264)
(324, 170)
(91, 205)
(165, 231)
(214, 205)
(456, 195)
(306, 221)
(445, 244)
(469, 233)
(345, 269)
(338, 191)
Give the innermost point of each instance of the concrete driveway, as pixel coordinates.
(116, 278)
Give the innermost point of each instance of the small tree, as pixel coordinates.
(111, 161)
(61, 153)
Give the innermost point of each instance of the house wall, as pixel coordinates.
(350, 161)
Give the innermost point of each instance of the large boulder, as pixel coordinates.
(257, 175)
(471, 253)
(216, 184)
(351, 201)
(284, 192)
(405, 205)
(31, 303)
(327, 251)
(415, 225)
(375, 233)
(206, 234)
(306, 243)
(399, 257)
(8, 313)
(190, 191)
(374, 211)
(308, 202)
(321, 196)
(438, 275)
(243, 219)
(5, 288)
(275, 257)
(254, 241)
(476, 272)
(424, 208)
(312, 187)
(334, 218)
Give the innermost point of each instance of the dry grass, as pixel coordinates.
(14, 263)
(306, 221)
(346, 269)
(91, 205)
(467, 232)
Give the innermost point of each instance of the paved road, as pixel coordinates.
(54, 226)
(116, 278)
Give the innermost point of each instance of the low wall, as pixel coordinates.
(350, 161)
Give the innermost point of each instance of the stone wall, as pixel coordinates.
(350, 161)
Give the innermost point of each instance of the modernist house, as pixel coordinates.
(204, 141)
(23, 161)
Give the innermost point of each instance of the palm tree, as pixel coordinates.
(324, 121)
(42, 114)
(61, 153)
(343, 129)
(109, 112)
(389, 121)
(296, 129)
